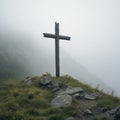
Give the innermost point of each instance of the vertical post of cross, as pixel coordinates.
(57, 59)
(57, 37)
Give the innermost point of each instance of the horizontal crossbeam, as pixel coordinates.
(57, 37)
(48, 35)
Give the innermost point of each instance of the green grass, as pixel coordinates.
(108, 101)
(69, 81)
(21, 102)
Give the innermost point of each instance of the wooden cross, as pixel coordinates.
(57, 37)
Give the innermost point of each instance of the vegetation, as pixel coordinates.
(32, 102)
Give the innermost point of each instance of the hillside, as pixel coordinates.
(17, 55)
(18, 52)
(13, 61)
(35, 98)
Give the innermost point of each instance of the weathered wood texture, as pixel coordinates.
(57, 37)
(54, 36)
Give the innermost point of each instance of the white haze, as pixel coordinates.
(93, 25)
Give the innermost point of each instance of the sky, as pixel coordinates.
(93, 25)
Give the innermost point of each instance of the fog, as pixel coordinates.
(92, 53)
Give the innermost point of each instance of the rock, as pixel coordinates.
(61, 100)
(53, 85)
(49, 83)
(115, 113)
(28, 80)
(78, 95)
(104, 109)
(90, 96)
(88, 112)
(70, 118)
(45, 81)
(55, 89)
(73, 90)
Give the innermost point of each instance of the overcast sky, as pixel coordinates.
(93, 25)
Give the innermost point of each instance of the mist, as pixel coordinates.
(93, 52)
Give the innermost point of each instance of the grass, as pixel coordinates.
(69, 81)
(108, 101)
(21, 102)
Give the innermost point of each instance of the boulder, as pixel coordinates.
(78, 95)
(49, 83)
(88, 112)
(45, 81)
(53, 85)
(61, 100)
(72, 91)
(92, 96)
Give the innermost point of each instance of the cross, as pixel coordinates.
(57, 37)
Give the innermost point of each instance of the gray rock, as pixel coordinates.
(88, 112)
(55, 89)
(53, 85)
(49, 83)
(78, 95)
(115, 114)
(90, 96)
(73, 90)
(28, 81)
(45, 81)
(70, 118)
(61, 100)
(104, 109)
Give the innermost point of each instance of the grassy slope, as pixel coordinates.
(21, 102)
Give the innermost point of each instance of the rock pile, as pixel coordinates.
(49, 83)
(64, 97)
